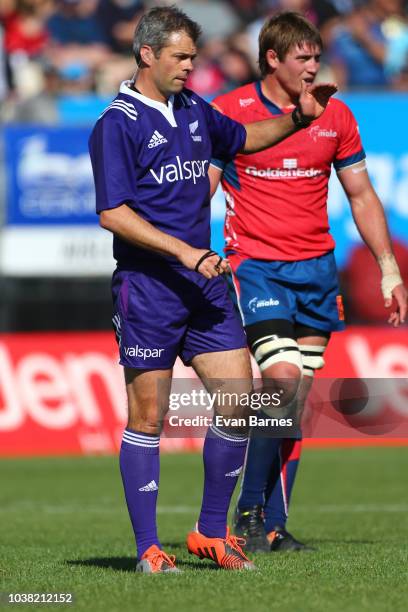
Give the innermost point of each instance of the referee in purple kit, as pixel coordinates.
(150, 151)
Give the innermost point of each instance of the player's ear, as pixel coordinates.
(272, 59)
(146, 54)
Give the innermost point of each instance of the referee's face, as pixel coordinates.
(170, 70)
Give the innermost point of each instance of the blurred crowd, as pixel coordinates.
(54, 48)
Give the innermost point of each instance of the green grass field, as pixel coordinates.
(64, 528)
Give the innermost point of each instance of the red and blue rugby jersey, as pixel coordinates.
(154, 158)
(277, 199)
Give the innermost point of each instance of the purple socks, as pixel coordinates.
(223, 456)
(140, 469)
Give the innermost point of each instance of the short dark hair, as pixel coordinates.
(282, 32)
(158, 24)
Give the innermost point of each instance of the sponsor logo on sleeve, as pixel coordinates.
(244, 102)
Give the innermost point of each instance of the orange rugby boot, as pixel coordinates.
(225, 552)
(155, 561)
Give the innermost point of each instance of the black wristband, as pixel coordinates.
(217, 265)
(299, 119)
(200, 261)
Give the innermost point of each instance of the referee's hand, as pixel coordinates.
(313, 99)
(208, 263)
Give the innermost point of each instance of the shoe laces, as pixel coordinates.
(159, 557)
(235, 542)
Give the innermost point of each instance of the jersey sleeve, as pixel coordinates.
(113, 163)
(350, 149)
(220, 162)
(227, 135)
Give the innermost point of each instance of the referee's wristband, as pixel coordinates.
(299, 119)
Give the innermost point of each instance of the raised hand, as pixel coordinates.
(313, 99)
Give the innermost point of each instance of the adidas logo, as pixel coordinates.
(151, 486)
(156, 140)
(234, 472)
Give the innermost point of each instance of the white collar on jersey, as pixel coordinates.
(165, 109)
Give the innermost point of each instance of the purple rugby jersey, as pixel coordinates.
(154, 158)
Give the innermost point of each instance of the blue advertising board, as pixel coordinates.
(49, 176)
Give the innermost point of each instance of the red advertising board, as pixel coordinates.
(63, 393)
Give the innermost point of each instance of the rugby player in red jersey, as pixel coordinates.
(281, 253)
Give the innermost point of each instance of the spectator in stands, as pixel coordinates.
(25, 26)
(118, 19)
(77, 35)
(207, 79)
(248, 10)
(40, 108)
(396, 59)
(359, 47)
(216, 17)
(3, 69)
(219, 67)
(236, 67)
(25, 42)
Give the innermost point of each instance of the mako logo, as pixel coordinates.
(244, 102)
(290, 171)
(181, 171)
(144, 353)
(316, 132)
(255, 303)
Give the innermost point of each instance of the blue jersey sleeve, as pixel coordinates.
(350, 149)
(227, 136)
(113, 154)
(219, 163)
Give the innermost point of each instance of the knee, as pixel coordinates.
(284, 371)
(282, 377)
(145, 424)
(146, 415)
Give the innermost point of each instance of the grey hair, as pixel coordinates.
(158, 24)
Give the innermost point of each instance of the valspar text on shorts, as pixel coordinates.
(144, 353)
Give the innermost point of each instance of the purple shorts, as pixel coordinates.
(162, 311)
